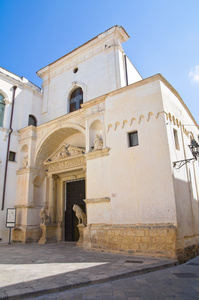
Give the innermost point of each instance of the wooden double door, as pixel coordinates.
(75, 194)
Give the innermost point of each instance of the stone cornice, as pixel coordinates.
(150, 80)
(94, 101)
(11, 80)
(136, 226)
(30, 85)
(102, 98)
(9, 74)
(61, 66)
(24, 206)
(27, 133)
(28, 128)
(97, 200)
(97, 154)
(20, 82)
(116, 31)
(49, 163)
(27, 170)
(171, 88)
(58, 121)
(43, 70)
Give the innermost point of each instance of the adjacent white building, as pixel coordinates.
(101, 137)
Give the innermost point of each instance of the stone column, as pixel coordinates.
(27, 214)
(55, 198)
(51, 198)
(51, 232)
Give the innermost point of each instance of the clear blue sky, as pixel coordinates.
(164, 36)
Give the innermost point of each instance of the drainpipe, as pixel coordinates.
(8, 147)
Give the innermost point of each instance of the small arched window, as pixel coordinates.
(76, 99)
(32, 121)
(2, 109)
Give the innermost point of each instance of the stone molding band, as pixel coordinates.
(97, 153)
(97, 200)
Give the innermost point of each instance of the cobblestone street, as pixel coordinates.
(33, 270)
(179, 283)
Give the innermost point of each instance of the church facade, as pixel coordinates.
(100, 137)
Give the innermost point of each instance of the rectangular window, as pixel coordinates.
(175, 133)
(12, 156)
(133, 139)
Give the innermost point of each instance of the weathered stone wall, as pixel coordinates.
(187, 248)
(145, 239)
(30, 234)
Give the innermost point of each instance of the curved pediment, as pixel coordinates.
(65, 152)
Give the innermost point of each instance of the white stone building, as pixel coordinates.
(101, 137)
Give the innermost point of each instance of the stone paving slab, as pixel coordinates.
(31, 270)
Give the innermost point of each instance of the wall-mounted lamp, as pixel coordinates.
(194, 147)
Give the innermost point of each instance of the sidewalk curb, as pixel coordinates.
(30, 292)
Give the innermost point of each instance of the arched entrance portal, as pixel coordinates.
(61, 156)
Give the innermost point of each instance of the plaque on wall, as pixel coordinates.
(11, 217)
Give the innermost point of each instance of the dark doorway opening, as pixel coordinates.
(75, 194)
